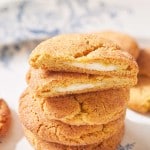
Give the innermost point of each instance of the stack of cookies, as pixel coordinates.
(77, 94)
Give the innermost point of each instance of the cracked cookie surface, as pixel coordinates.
(126, 42)
(109, 144)
(84, 109)
(44, 83)
(140, 95)
(82, 53)
(4, 118)
(34, 120)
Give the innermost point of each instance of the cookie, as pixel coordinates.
(126, 42)
(4, 118)
(84, 109)
(108, 144)
(33, 118)
(140, 95)
(83, 53)
(44, 83)
(144, 62)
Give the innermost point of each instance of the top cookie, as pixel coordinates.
(125, 41)
(144, 62)
(82, 53)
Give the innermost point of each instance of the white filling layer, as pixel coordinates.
(77, 87)
(95, 66)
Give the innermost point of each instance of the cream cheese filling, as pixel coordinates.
(77, 87)
(95, 66)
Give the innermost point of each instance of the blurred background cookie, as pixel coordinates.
(144, 62)
(4, 118)
(140, 95)
(125, 41)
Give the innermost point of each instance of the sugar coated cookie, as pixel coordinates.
(109, 144)
(140, 95)
(4, 118)
(59, 132)
(144, 62)
(83, 53)
(92, 108)
(43, 83)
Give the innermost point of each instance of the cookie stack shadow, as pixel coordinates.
(77, 94)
